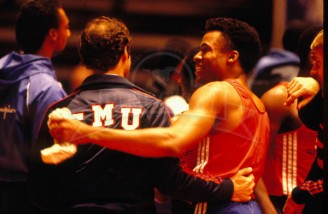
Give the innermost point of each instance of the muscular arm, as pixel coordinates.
(263, 199)
(273, 100)
(189, 129)
(274, 104)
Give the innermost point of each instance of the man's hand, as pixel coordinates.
(305, 87)
(68, 130)
(243, 182)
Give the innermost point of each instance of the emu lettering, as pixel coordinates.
(103, 116)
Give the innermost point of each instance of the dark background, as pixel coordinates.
(153, 23)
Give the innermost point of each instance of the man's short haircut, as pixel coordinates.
(33, 23)
(239, 36)
(303, 48)
(292, 33)
(318, 41)
(102, 43)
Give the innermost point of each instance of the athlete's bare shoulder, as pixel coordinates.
(211, 97)
(216, 95)
(216, 87)
(275, 97)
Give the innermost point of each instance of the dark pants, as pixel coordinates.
(14, 198)
(279, 202)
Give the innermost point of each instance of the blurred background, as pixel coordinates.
(164, 24)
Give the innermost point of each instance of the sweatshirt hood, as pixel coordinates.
(14, 67)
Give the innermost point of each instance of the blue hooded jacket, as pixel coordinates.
(28, 85)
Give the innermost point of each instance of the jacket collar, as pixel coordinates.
(101, 81)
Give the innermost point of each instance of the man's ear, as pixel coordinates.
(233, 56)
(126, 54)
(53, 34)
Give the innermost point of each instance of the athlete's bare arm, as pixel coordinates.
(263, 199)
(192, 126)
(274, 100)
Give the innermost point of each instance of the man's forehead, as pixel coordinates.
(212, 37)
(213, 34)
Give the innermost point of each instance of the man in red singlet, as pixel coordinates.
(292, 145)
(291, 151)
(226, 127)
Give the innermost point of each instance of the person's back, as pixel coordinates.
(232, 145)
(226, 136)
(98, 179)
(28, 85)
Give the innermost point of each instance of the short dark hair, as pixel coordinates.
(303, 48)
(102, 43)
(33, 23)
(239, 36)
(293, 31)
